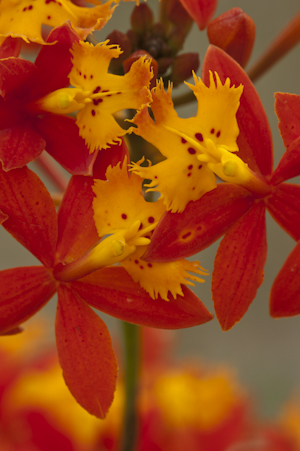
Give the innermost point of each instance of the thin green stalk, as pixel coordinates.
(131, 358)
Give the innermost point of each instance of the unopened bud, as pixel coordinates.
(116, 37)
(135, 56)
(176, 39)
(201, 11)
(141, 18)
(233, 32)
(183, 66)
(178, 15)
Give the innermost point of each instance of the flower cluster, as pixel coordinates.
(109, 246)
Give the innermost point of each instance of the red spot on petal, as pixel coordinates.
(150, 219)
(183, 140)
(212, 131)
(30, 7)
(218, 134)
(190, 167)
(93, 112)
(142, 267)
(92, 76)
(191, 151)
(149, 265)
(124, 216)
(189, 174)
(96, 90)
(186, 235)
(200, 166)
(199, 136)
(141, 226)
(136, 262)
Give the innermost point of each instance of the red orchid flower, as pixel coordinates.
(23, 136)
(83, 341)
(285, 293)
(234, 211)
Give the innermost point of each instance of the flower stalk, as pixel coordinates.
(131, 357)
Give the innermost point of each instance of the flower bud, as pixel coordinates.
(201, 11)
(183, 66)
(141, 18)
(134, 57)
(233, 32)
(176, 39)
(178, 15)
(116, 37)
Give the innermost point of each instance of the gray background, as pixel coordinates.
(262, 350)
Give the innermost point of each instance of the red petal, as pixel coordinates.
(180, 235)
(3, 217)
(85, 353)
(287, 108)
(284, 206)
(10, 47)
(201, 11)
(14, 74)
(76, 226)
(113, 291)
(109, 157)
(54, 61)
(19, 145)
(255, 138)
(239, 267)
(289, 165)
(23, 292)
(285, 292)
(31, 212)
(65, 145)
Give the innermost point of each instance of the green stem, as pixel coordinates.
(131, 354)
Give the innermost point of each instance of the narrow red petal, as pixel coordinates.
(284, 206)
(54, 61)
(23, 292)
(287, 108)
(31, 212)
(201, 11)
(65, 145)
(14, 73)
(289, 165)
(85, 353)
(239, 267)
(113, 291)
(180, 235)
(255, 138)
(19, 145)
(77, 232)
(10, 47)
(285, 292)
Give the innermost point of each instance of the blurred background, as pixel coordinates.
(263, 351)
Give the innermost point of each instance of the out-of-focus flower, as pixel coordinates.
(24, 18)
(229, 209)
(234, 32)
(83, 341)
